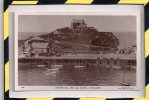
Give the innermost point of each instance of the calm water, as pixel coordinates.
(70, 76)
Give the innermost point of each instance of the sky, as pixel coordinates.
(48, 23)
(123, 27)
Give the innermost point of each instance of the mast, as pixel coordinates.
(124, 76)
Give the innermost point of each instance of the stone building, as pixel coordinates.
(78, 24)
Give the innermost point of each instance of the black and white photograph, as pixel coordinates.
(76, 52)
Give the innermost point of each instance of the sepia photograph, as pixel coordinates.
(76, 52)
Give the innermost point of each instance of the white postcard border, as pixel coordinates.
(106, 88)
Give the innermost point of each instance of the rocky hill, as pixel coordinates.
(86, 38)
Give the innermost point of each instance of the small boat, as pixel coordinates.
(116, 67)
(125, 84)
(79, 66)
(53, 69)
(41, 66)
(56, 66)
(123, 81)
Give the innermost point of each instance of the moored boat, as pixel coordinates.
(41, 65)
(125, 84)
(53, 69)
(79, 66)
(56, 66)
(116, 67)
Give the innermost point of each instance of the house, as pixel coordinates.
(78, 24)
(123, 61)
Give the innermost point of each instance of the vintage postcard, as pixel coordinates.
(79, 51)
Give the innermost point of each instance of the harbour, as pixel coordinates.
(78, 70)
(78, 55)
